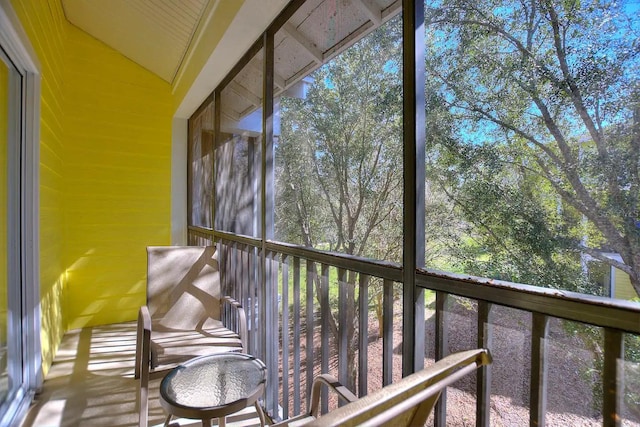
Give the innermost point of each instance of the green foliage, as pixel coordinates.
(530, 147)
(532, 116)
(338, 162)
(339, 180)
(533, 149)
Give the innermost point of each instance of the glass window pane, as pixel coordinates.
(338, 147)
(200, 160)
(10, 283)
(4, 274)
(532, 159)
(237, 152)
(574, 373)
(631, 372)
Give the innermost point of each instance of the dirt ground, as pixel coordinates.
(573, 377)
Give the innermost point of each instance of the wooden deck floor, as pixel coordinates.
(91, 384)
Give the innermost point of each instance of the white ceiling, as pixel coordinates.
(317, 32)
(158, 35)
(153, 33)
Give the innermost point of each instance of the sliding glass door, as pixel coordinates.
(11, 330)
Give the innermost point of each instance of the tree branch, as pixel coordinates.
(599, 255)
(572, 87)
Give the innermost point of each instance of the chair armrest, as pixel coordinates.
(314, 402)
(238, 323)
(142, 363)
(143, 338)
(414, 396)
(332, 384)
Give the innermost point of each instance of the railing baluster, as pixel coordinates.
(228, 255)
(612, 380)
(221, 265)
(343, 329)
(387, 332)
(441, 350)
(224, 271)
(310, 323)
(234, 288)
(262, 304)
(538, 384)
(246, 287)
(252, 310)
(483, 385)
(272, 335)
(285, 336)
(240, 283)
(233, 276)
(242, 276)
(296, 335)
(325, 312)
(363, 334)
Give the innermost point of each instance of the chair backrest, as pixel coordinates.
(409, 401)
(183, 286)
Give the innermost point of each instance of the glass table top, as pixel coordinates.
(213, 381)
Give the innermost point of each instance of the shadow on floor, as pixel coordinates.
(91, 383)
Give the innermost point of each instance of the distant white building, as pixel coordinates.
(616, 283)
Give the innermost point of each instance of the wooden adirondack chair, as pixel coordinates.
(407, 402)
(182, 317)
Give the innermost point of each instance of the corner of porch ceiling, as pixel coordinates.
(227, 31)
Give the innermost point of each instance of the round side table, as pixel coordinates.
(213, 386)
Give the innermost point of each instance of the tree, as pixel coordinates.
(540, 150)
(339, 156)
(342, 144)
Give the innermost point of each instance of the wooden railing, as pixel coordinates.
(616, 318)
(310, 317)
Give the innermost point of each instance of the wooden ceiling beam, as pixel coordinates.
(231, 115)
(304, 42)
(373, 12)
(278, 80)
(242, 91)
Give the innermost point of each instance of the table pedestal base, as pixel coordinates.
(222, 421)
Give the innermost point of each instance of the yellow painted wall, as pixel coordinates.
(105, 146)
(118, 180)
(622, 287)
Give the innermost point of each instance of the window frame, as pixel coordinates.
(17, 47)
(413, 135)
